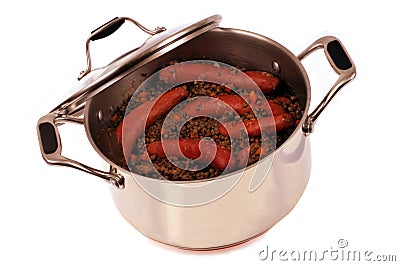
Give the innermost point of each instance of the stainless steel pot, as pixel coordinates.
(243, 211)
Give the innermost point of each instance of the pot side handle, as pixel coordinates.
(51, 148)
(106, 30)
(341, 63)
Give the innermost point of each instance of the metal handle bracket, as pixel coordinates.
(50, 146)
(341, 63)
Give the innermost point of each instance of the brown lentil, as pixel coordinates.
(201, 127)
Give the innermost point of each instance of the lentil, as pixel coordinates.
(201, 127)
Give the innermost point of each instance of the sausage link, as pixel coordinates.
(190, 148)
(186, 72)
(268, 125)
(212, 107)
(275, 108)
(264, 80)
(142, 117)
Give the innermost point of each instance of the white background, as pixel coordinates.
(60, 216)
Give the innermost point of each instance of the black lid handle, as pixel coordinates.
(106, 30)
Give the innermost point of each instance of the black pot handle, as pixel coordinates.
(51, 148)
(106, 30)
(341, 63)
(338, 55)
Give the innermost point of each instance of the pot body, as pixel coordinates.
(241, 213)
(236, 217)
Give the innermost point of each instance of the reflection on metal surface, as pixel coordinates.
(276, 67)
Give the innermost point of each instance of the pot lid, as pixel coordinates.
(162, 41)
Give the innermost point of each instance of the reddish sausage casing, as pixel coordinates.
(211, 106)
(264, 80)
(187, 72)
(190, 148)
(146, 114)
(254, 127)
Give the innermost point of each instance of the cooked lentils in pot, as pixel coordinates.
(201, 127)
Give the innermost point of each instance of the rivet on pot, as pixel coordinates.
(99, 115)
(276, 67)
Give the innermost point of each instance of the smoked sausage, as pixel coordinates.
(142, 117)
(254, 127)
(187, 72)
(190, 148)
(209, 106)
(212, 106)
